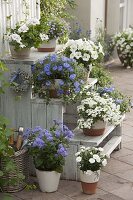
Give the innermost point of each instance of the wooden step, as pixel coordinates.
(111, 145)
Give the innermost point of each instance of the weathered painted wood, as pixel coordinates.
(70, 173)
(17, 111)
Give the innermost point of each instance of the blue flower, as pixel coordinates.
(70, 69)
(27, 133)
(65, 59)
(66, 65)
(108, 90)
(50, 138)
(47, 133)
(48, 83)
(38, 142)
(48, 73)
(57, 133)
(39, 77)
(37, 129)
(77, 90)
(46, 67)
(55, 68)
(32, 68)
(61, 82)
(53, 58)
(59, 92)
(82, 82)
(76, 84)
(60, 68)
(62, 150)
(72, 76)
(118, 101)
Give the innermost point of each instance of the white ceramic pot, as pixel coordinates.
(48, 180)
(22, 53)
(48, 46)
(87, 178)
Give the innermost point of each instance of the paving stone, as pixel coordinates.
(8, 197)
(115, 166)
(50, 196)
(126, 174)
(125, 191)
(111, 182)
(122, 152)
(128, 145)
(126, 138)
(127, 159)
(108, 197)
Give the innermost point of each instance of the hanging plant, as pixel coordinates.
(20, 81)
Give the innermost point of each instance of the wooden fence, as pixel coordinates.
(12, 11)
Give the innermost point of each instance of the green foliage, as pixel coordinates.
(104, 39)
(3, 83)
(56, 8)
(77, 32)
(103, 77)
(6, 152)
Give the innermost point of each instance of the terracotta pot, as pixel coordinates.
(23, 53)
(48, 47)
(97, 129)
(48, 180)
(89, 182)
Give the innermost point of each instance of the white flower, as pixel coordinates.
(92, 160)
(15, 37)
(86, 57)
(104, 162)
(23, 29)
(100, 149)
(78, 159)
(44, 37)
(33, 21)
(22, 46)
(77, 154)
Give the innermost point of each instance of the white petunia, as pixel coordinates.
(78, 159)
(92, 160)
(23, 29)
(77, 154)
(15, 37)
(33, 21)
(44, 37)
(86, 57)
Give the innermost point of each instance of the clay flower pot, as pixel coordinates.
(48, 46)
(89, 181)
(97, 129)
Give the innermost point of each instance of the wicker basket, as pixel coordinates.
(21, 159)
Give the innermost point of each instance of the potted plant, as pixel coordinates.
(90, 161)
(119, 98)
(49, 149)
(14, 172)
(51, 29)
(22, 38)
(85, 52)
(58, 76)
(124, 44)
(95, 112)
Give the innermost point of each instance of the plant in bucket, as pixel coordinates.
(58, 77)
(23, 37)
(95, 112)
(51, 29)
(124, 43)
(90, 161)
(49, 149)
(85, 52)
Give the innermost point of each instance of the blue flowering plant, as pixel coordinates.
(60, 75)
(49, 147)
(119, 98)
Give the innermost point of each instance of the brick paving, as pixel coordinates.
(116, 180)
